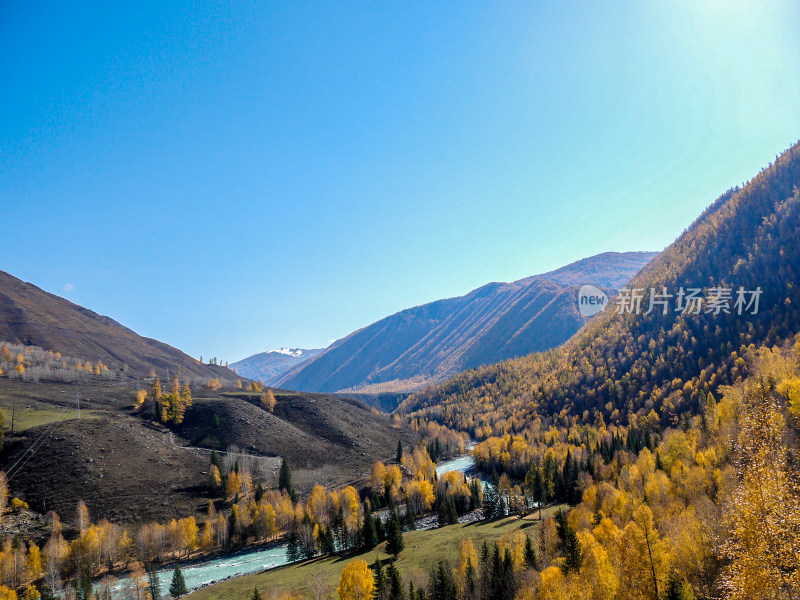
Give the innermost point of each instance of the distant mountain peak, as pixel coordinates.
(268, 366)
(295, 352)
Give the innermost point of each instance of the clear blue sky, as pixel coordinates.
(231, 177)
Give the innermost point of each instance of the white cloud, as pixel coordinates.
(68, 287)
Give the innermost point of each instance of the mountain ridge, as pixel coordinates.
(432, 341)
(621, 367)
(32, 316)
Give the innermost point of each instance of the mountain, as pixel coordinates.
(33, 317)
(659, 366)
(431, 342)
(268, 366)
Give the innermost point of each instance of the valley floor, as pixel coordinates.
(423, 550)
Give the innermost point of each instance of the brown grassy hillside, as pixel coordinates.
(130, 469)
(31, 316)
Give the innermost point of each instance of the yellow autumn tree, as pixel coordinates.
(356, 582)
(420, 495)
(214, 478)
(156, 391)
(141, 396)
(598, 573)
(467, 559)
(188, 539)
(553, 584)
(34, 565)
(30, 593)
(3, 494)
(377, 477)
(82, 514)
(232, 484)
(764, 512)
(268, 400)
(6, 593)
(645, 560)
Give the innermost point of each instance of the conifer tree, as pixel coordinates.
(153, 585)
(569, 543)
(380, 581)
(394, 536)
(470, 585)
(442, 586)
(369, 535)
(293, 551)
(408, 520)
(177, 587)
(285, 478)
(678, 590)
(395, 583)
(256, 594)
(531, 558)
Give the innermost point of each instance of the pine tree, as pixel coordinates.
(569, 543)
(177, 587)
(452, 513)
(408, 520)
(153, 585)
(442, 586)
(394, 536)
(470, 585)
(256, 595)
(293, 551)
(215, 460)
(395, 583)
(380, 529)
(508, 581)
(399, 451)
(490, 502)
(380, 581)
(530, 554)
(474, 494)
(369, 535)
(285, 478)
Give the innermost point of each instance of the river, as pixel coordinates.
(203, 573)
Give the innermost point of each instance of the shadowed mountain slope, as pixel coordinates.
(431, 342)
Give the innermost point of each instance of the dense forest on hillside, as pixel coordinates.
(622, 365)
(705, 510)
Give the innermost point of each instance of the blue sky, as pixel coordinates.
(231, 177)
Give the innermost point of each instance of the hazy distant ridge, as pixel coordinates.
(431, 342)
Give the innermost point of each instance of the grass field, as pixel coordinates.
(423, 550)
(32, 414)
